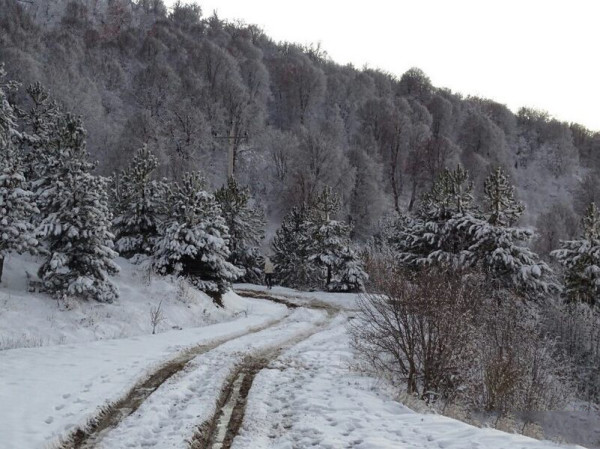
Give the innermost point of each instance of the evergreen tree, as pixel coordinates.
(79, 240)
(291, 250)
(438, 235)
(330, 246)
(193, 241)
(500, 201)
(581, 259)
(16, 200)
(449, 231)
(246, 225)
(74, 219)
(450, 195)
(140, 205)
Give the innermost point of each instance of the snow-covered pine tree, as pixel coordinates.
(291, 250)
(450, 195)
(79, 240)
(41, 139)
(449, 231)
(500, 201)
(74, 221)
(246, 223)
(581, 259)
(16, 200)
(501, 249)
(140, 205)
(331, 247)
(193, 240)
(438, 234)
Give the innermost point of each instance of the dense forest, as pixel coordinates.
(189, 86)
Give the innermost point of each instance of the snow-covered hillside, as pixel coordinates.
(36, 319)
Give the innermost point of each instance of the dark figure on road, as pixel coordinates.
(269, 270)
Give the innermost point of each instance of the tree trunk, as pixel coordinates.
(1, 266)
(413, 196)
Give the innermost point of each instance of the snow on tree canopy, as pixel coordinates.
(193, 241)
(79, 240)
(17, 205)
(140, 203)
(581, 260)
(246, 223)
(450, 231)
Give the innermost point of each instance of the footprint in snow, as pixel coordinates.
(49, 420)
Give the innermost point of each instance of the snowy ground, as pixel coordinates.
(344, 301)
(36, 319)
(308, 397)
(47, 391)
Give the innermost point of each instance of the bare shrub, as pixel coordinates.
(416, 328)
(156, 316)
(446, 338)
(518, 368)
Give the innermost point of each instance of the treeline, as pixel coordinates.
(52, 204)
(190, 86)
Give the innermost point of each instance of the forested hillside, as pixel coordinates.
(188, 85)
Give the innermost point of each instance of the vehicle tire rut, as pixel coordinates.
(88, 436)
(220, 431)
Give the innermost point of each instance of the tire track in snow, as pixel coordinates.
(110, 416)
(220, 431)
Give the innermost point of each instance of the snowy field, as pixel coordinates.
(47, 391)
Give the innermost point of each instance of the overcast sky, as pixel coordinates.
(535, 53)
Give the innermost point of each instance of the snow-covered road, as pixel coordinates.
(47, 392)
(308, 397)
(305, 395)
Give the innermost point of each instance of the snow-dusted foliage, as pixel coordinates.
(140, 204)
(193, 241)
(331, 247)
(312, 250)
(79, 240)
(581, 259)
(291, 250)
(501, 206)
(74, 220)
(246, 223)
(450, 231)
(16, 200)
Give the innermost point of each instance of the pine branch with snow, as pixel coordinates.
(140, 204)
(581, 260)
(246, 223)
(193, 241)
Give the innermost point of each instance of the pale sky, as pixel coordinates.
(542, 54)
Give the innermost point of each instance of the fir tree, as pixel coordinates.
(581, 259)
(331, 249)
(79, 240)
(500, 201)
(450, 232)
(16, 200)
(140, 204)
(291, 250)
(246, 224)
(193, 241)
(450, 195)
